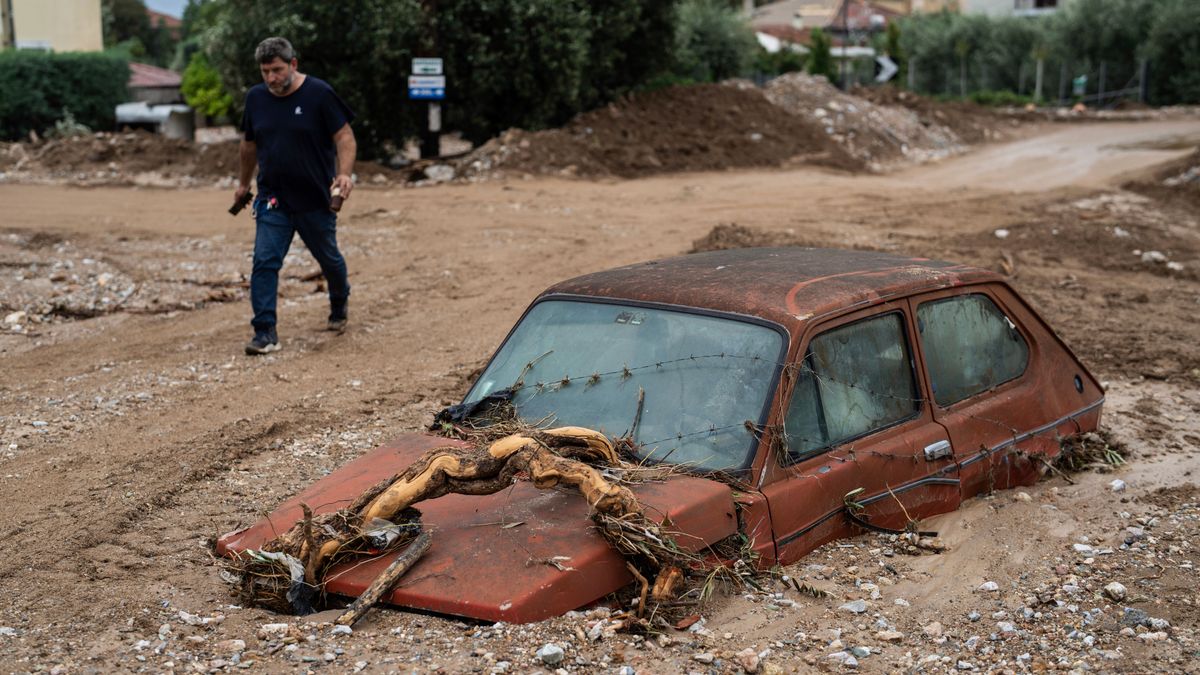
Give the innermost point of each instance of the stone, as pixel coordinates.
(273, 631)
(1156, 636)
(1023, 497)
(1134, 617)
(964, 665)
(856, 606)
(341, 630)
(1006, 627)
(889, 635)
(1084, 549)
(974, 616)
(989, 587)
(748, 659)
(550, 654)
(933, 630)
(1115, 590)
(703, 657)
(1117, 485)
(860, 651)
(230, 646)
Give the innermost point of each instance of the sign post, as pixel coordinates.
(427, 83)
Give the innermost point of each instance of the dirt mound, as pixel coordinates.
(1177, 182)
(698, 128)
(971, 122)
(876, 134)
(731, 235)
(122, 157)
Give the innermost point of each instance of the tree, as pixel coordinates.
(891, 47)
(1174, 53)
(820, 56)
(712, 42)
(127, 27)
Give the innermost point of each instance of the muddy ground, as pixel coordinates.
(133, 429)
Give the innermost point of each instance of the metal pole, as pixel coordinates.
(845, 43)
(1100, 93)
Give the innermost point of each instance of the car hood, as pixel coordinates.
(517, 556)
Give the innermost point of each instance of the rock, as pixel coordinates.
(439, 173)
(748, 660)
(230, 646)
(341, 630)
(1157, 636)
(550, 654)
(889, 635)
(273, 631)
(973, 616)
(1006, 627)
(933, 630)
(8, 631)
(901, 602)
(1001, 233)
(1153, 257)
(856, 606)
(1160, 624)
(964, 665)
(989, 587)
(1084, 549)
(845, 658)
(14, 318)
(1115, 590)
(1022, 497)
(860, 652)
(1135, 617)
(1117, 485)
(703, 657)
(626, 670)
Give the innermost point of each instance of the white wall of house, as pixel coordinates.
(57, 25)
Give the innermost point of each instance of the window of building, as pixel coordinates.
(970, 346)
(854, 380)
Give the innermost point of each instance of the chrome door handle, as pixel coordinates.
(937, 450)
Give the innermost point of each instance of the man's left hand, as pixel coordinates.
(343, 185)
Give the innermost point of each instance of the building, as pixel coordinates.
(59, 25)
(1011, 7)
(154, 85)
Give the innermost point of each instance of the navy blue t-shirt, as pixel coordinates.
(294, 138)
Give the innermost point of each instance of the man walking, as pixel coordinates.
(297, 131)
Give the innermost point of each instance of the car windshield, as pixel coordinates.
(699, 379)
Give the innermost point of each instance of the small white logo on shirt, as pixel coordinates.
(298, 111)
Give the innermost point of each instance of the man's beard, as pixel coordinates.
(283, 86)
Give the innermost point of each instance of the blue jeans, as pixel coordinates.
(273, 238)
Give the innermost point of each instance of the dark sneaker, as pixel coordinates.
(264, 342)
(337, 318)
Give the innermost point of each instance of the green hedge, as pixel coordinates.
(37, 87)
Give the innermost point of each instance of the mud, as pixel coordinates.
(129, 438)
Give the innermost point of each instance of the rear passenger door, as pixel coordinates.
(978, 363)
(856, 419)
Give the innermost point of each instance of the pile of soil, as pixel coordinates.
(1177, 182)
(971, 122)
(697, 128)
(875, 134)
(116, 157)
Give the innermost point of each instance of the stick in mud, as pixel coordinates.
(385, 581)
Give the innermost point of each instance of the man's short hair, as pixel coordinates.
(274, 47)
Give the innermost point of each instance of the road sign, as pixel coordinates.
(427, 87)
(427, 66)
(887, 68)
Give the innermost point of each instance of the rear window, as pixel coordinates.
(854, 380)
(970, 346)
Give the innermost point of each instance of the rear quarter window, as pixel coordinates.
(970, 346)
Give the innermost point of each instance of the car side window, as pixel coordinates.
(855, 379)
(970, 346)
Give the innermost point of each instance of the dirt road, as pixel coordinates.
(133, 429)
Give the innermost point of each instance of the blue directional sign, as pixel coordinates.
(427, 87)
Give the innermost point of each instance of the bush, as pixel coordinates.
(783, 61)
(40, 88)
(999, 98)
(202, 88)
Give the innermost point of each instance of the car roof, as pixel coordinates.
(789, 286)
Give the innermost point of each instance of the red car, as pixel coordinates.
(776, 380)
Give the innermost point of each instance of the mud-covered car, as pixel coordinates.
(774, 381)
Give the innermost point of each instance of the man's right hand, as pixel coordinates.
(240, 192)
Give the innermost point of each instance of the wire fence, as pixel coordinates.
(1050, 80)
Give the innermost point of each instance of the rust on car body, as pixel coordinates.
(524, 555)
